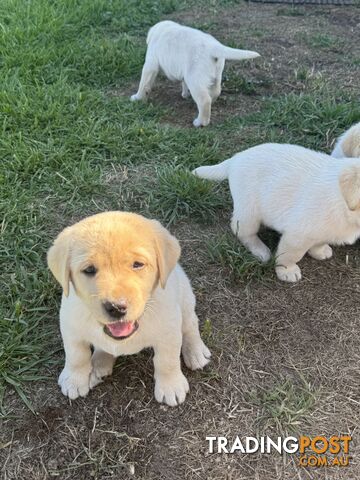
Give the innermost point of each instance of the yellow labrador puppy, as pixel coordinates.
(189, 56)
(348, 144)
(123, 291)
(312, 199)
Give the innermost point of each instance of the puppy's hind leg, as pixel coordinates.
(215, 90)
(291, 249)
(321, 252)
(185, 92)
(195, 353)
(148, 77)
(246, 231)
(202, 99)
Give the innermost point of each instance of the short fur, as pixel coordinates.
(190, 56)
(312, 199)
(158, 296)
(348, 145)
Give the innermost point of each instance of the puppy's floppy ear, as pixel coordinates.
(350, 187)
(58, 259)
(167, 252)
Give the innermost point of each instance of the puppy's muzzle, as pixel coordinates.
(115, 310)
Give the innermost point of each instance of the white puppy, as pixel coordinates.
(124, 291)
(310, 198)
(348, 145)
(190, 56)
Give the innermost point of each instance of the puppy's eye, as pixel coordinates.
(137, 265)
(90, 270)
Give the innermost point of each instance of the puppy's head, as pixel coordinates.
(114, 261)
(350, 187)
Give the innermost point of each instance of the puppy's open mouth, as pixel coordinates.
(121, 330)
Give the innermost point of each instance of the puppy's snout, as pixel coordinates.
(115, 310)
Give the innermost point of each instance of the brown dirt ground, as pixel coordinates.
(263, 333)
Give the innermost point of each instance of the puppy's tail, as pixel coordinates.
(233, 53)
(214, 172)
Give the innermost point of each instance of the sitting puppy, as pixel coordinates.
(348, 145)
(310, 198)
(190, 56)
(124, 291)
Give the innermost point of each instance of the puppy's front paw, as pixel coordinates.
(263, 254)
(74, 384)
(321, 253)
(135, 98)
(292, 273)
(196, 356)
(171, 390)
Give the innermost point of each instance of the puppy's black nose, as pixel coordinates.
(115, 310)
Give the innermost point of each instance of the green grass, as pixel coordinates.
(235, 83)
(323, 40)
(63, 135)
(285, 405)
(243, 266)
(304, 117)
(177, 194)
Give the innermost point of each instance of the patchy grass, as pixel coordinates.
(323, 40)
(291, 11)
(285, 405)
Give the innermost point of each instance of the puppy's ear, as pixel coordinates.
(58, 259)
(350, 187)
(167, 252)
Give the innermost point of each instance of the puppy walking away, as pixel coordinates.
(189, 56)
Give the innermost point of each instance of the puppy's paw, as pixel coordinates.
(74, 384)
(292, 273)
(197, 123)
(196, 356)
(321, 253)
(102, 363)
(135, 98)
(171, 390)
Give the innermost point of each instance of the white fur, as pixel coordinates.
(189, 56)
(310, 198)
(169, 325)
(351, 138)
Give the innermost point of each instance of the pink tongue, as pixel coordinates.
(121, 329)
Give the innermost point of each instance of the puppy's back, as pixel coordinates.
(160, 28)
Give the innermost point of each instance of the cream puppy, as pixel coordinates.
(348, 145)
(312, 199)
(189, 56)
(124, 291)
